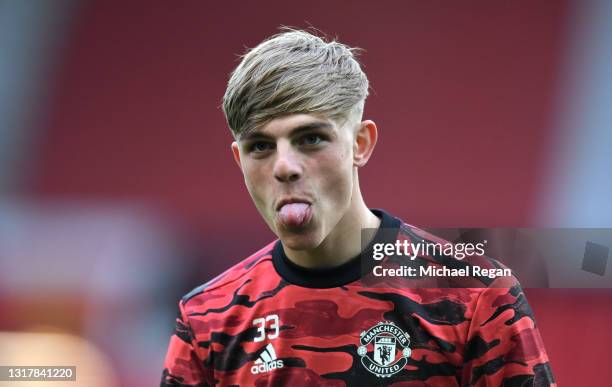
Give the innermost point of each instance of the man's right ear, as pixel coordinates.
(236, 153)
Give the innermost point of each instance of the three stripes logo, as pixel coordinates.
(267, 361)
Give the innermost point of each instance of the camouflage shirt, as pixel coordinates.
(269, 322)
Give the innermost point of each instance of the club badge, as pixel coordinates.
(384, 360)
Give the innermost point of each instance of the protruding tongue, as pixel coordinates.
(294, 214)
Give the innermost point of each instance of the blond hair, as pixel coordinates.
(295, 72)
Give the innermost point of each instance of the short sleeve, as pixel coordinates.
(504, 346)
(183, 366)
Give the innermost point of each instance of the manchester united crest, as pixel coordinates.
(390, 351)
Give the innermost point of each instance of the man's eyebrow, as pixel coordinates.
(315, 125)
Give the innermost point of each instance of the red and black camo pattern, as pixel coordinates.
(481, 336)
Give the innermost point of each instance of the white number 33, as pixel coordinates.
(261, 323)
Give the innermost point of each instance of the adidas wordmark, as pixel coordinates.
(267, 361)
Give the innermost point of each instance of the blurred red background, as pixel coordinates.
(465, 95)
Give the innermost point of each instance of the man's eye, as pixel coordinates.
(260, 147)
(312, 139)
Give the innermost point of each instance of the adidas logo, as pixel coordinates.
(267, 361)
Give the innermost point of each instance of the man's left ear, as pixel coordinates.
(365, 140)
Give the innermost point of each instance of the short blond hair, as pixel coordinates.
(295, 72)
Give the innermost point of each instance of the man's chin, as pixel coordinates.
(299, 242)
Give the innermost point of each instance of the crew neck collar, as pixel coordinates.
(341, 275)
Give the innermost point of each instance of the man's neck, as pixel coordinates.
(342, 244)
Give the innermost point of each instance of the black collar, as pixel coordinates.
(336, 276)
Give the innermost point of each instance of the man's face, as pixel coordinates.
(299, 171)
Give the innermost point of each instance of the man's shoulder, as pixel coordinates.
(235, 276)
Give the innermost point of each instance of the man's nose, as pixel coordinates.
(287, 166)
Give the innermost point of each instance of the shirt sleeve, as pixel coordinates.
(504, 346)
(183, 366)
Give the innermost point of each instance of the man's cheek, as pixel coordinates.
(257, 196)
(253, 181)
(338, 185)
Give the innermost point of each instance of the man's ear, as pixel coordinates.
(236, 153)
(365, 141)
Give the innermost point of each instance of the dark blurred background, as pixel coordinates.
(118, 192)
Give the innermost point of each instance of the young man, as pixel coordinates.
(307, 309)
